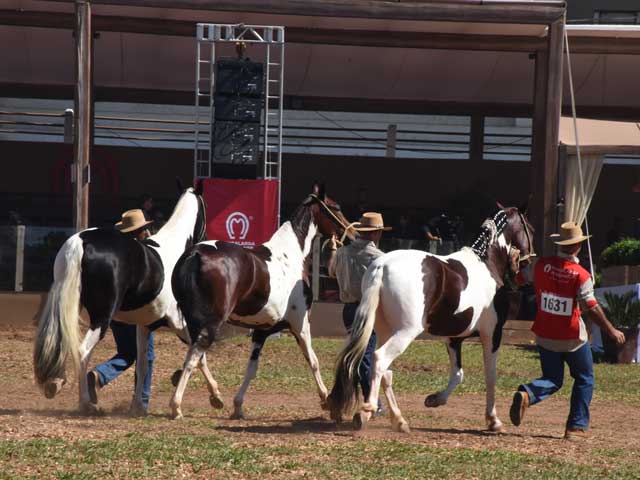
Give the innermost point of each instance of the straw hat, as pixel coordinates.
(132, 220)
(570, 234)
(369, 222)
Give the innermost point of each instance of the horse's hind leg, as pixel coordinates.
(456, 374)
(398, 422)
(303, 337)
(215, 398)
(91, 338)
(382, 358)
(194, 355)
(258, 337)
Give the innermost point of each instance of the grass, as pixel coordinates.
(422, 369)
(198, 447)
(173, 455)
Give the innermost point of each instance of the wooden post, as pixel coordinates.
(84, 113)
(547, 102)
(476, 138)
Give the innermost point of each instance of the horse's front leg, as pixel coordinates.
(91, 339)
(302, 333)
(490, 355)
(142, 368)
(456, 374)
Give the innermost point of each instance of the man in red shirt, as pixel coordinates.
(564, 290)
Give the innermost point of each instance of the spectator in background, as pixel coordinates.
(615, 234)
(146, 205)
(404, 233)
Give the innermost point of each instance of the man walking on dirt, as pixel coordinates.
(348, 265)
(564, 290)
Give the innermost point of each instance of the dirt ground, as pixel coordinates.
(280, 417)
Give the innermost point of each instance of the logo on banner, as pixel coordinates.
(237, 225)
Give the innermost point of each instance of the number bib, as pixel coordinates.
(556, 305)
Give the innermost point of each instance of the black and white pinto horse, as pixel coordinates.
(114, 276)
(406, 292)
(265, 288)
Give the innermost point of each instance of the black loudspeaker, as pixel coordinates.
(238, 102)
(239, 77)
(236, 142)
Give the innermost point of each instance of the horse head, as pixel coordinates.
(327, 214)
(518, 233)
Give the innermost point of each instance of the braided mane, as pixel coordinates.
(489, 232)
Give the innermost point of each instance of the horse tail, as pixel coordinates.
(345, 389)
(186, 288)
(58, 335)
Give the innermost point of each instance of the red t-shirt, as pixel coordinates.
(561, 286)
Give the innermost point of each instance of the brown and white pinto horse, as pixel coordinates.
(265, 288)
(406, 292)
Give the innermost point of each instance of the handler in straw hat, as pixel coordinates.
(564, 290)
(133, 224)
(349, 264)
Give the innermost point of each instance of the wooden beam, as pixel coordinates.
(546, 124)
(364, 38)
(84, 113)
(522, 12)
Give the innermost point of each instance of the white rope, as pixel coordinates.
(575, 129)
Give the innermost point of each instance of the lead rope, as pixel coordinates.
(575, 129)
(337, 220)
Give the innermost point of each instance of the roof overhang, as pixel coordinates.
(600, 136)
(485, 11)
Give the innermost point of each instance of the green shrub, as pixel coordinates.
(623, 311)
(624, 252)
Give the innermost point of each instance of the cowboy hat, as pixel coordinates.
(132, 220)
(369, 222)
(570, 234)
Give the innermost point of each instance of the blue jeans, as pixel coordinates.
(125, 337)
(581, 368)
(364, 371)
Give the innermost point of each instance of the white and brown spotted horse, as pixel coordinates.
(265, 288)
(406, 292)
(115, 276)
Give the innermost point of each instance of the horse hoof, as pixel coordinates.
(175, 378)
(433, 401)
(137, 410)
(496, 426)
(52, 387)
(402, 427)
(237, 415)
(360, 421)
(324, 405)
(176, 415)
(91, 410)
(216, 402)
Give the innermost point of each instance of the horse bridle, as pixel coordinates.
(334, 218)
(531, 253)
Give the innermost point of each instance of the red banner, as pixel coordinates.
(244, 212)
